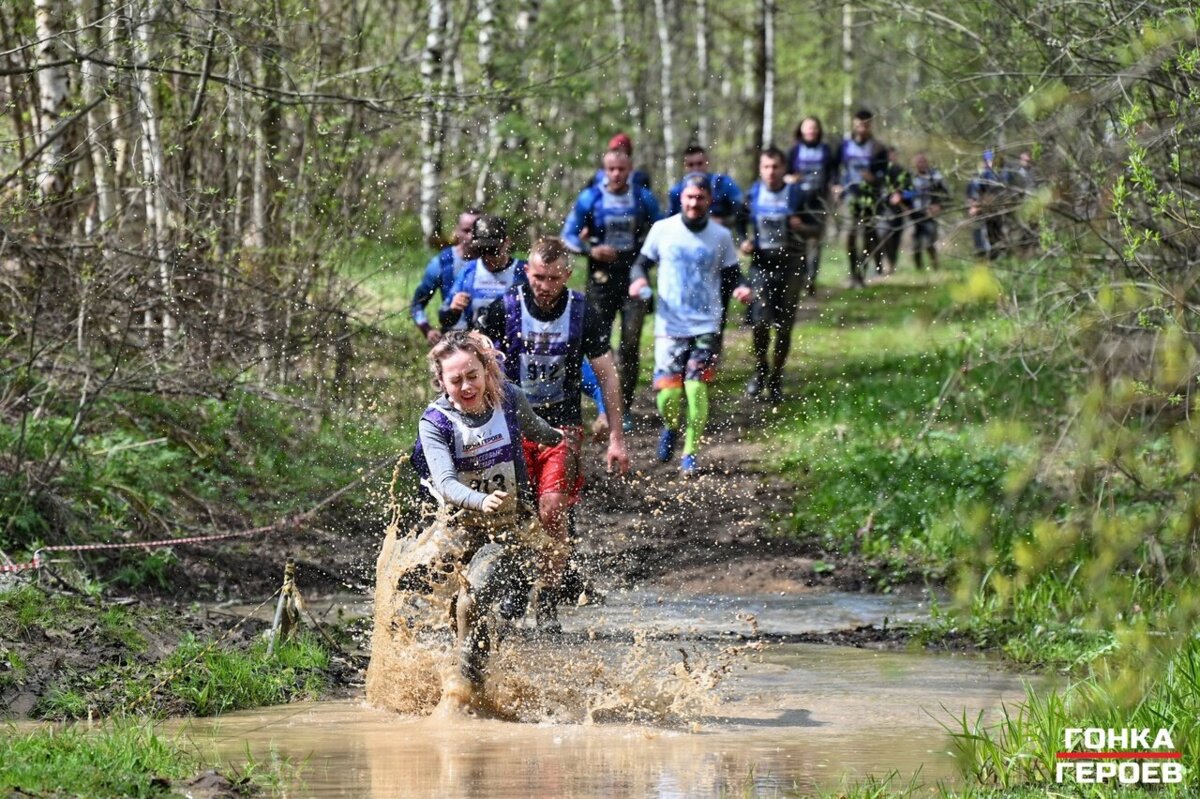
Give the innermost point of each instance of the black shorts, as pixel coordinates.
(776, 280)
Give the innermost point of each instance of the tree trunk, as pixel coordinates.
(116, 117)
(624, 78)
(490, 130)
(53, 98)
(94, 79)
(668, 116)
(768, 65)
(152, 177)
(431, 131)
(847, 63)
(703, 37)
(527, 18)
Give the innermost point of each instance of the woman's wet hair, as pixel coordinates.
(481, 347)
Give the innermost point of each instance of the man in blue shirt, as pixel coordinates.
(440, 273)
(988, 195)
(608, 224)
(637, 178)
(490, 273)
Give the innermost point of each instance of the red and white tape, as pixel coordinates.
(37, 561)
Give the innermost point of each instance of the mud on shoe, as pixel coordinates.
(546, 613)
(688, 466)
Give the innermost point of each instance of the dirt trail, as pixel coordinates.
(721, 531)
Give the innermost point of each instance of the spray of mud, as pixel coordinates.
(531, 677)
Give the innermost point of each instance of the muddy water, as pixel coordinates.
(780, 718)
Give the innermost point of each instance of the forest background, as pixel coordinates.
(192, 197)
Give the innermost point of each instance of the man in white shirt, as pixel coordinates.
(691, 252)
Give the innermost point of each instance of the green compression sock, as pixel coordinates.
(697, 412)
(669, 400)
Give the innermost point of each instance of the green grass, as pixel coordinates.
(199, 678)
(118, 760)
(922, 445)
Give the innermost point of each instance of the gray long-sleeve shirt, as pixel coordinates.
(439, 451)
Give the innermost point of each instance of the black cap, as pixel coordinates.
(488, 234)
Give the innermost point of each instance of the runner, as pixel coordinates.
(485, 278)
(928, 195)
(811, 163)
(987, 194)
(440, 273)
(637, 178)
(724, 210)
(777, 273)
(695, 256)
(861, 164)
(608, 225)
(894, 210)
(469, 458)
(545, 331)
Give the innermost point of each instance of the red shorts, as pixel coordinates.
(557, 469)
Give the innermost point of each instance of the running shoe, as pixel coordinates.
(666, 444)
(754, 385)
(688, 465)
(775, 389)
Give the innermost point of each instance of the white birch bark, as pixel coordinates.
(94, 77)
(703, 134)
(53, 97)
(847, 63)
(116, 117)
(527, 18)
(485, 54)
(768, 113)
(749, 77)
(431, 73)
(152, 173)
(668, 116)
(623, 55)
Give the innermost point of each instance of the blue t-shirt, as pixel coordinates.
(689, 275)
(620, 221)
(439, 276)
(727, 196)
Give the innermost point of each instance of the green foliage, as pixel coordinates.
(1020, 748)
(212, 680)
(118, 760)
(198, 678)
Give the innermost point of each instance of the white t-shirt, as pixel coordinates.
(689, 275)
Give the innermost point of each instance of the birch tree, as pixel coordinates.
(703, 132)
(431, 132)
(666, 90)
(153, 173)
(768, 62)
(53, 98)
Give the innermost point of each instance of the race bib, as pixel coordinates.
(772, 232)
(619, 233)
(543, 378)
(484, 456)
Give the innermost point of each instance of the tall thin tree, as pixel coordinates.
(668, 106)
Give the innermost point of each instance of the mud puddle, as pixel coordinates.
(792, 717)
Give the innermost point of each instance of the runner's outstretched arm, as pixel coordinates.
(610, 386)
